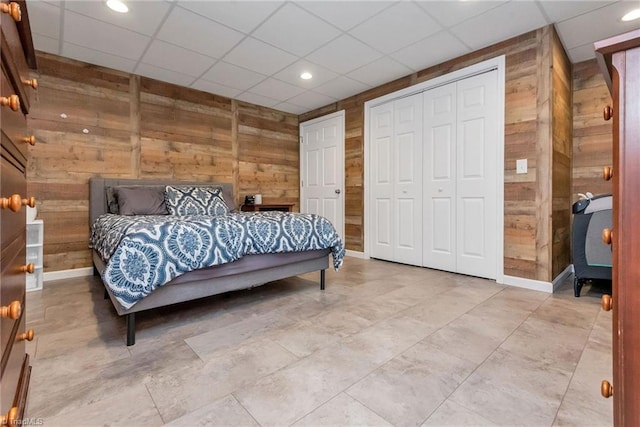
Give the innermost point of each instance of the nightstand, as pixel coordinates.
(283, 207)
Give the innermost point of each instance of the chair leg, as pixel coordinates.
(131, 329)
(322, 280)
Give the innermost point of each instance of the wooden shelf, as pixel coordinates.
(283, 207)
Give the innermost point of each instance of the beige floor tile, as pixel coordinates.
(131, 406)
(450, 414)
(512, 390)
(342, 410)
(406, 390)
(179, 391)
(304, 338)
(224, 412)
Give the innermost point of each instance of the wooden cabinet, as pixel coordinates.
(15, 87)
(619, 58)
(284, 207)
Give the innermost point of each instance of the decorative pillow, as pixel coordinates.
(112, 201)
(140, 200)
(195, 201)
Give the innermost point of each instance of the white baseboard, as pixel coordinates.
(560, 278)
(536, 285)
(67, 274)
(356, 254)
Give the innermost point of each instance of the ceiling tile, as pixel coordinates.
(400, 25)
(175, 58)
(450, 13)
(311, 100)
(295, 30)
(257, 99)
(341, 88)
(241, 15)
(256, 55)
(46, 44)
(292, 73)
(186, 29)
(275, 89)
(345, 14)
(441, 47)
(158, 73)
(291, 108)
(381, 71)
(559, 10)
(596, 25)
(215, 88)
(92, 56)
(93, 34)
(505, 21)
(45, 18)
(340, 55)
(581, 53)
(233, 76)
(143, 16)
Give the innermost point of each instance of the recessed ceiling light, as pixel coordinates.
(634, 14)
(118, 6)
(306, 75)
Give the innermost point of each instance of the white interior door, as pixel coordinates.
(407, 200)
(322, 168)
(477, 175)
(382, 186)
(439, 191)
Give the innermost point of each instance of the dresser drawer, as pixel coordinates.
(13, 289)
(15, 380)
(12, 181)
(14, 125)
(14, 61)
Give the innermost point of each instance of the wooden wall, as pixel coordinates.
(562, 136)
(528, 197)
(592, 136)
(142, 128)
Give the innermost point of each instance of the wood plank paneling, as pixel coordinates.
(592, 136)
(142, 128)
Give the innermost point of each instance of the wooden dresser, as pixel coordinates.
(619, 59)
(17, 57)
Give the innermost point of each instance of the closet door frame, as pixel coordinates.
(498, 64)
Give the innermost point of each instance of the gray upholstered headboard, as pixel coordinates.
(98, 193)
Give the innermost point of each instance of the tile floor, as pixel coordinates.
(384, 344)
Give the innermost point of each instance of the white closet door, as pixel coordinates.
(381, 142)
(439, 191)
(476, 175)
(408, 180)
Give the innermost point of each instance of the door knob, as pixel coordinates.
(607, 173)
(338, 191)
(606, 389)
(607, 302)
(607, 236)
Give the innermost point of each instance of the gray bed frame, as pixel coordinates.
(200, 284)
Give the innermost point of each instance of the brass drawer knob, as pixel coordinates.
(31, 82)
(607, 235)
(29, 268)
(11, 419)
(26, 336)
(607, 302)
(12, 9)
(607, 173)
(11, 311)
(15, 202)
(606, 389)
(12, 101)
(607, 113)
(31, 140)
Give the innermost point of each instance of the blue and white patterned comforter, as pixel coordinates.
(144, 252)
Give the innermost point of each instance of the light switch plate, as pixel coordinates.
(521, 166)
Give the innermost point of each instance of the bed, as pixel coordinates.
(243, 269)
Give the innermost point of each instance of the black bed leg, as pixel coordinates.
(322, 280)
(131, 329)
(577, 287)
(95, 271)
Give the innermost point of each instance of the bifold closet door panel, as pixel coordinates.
(476, 169)
(439, 169)
(382, 186)
(407, 155)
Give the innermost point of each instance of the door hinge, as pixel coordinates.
(301, 141)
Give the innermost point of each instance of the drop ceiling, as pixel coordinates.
(255, 51)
